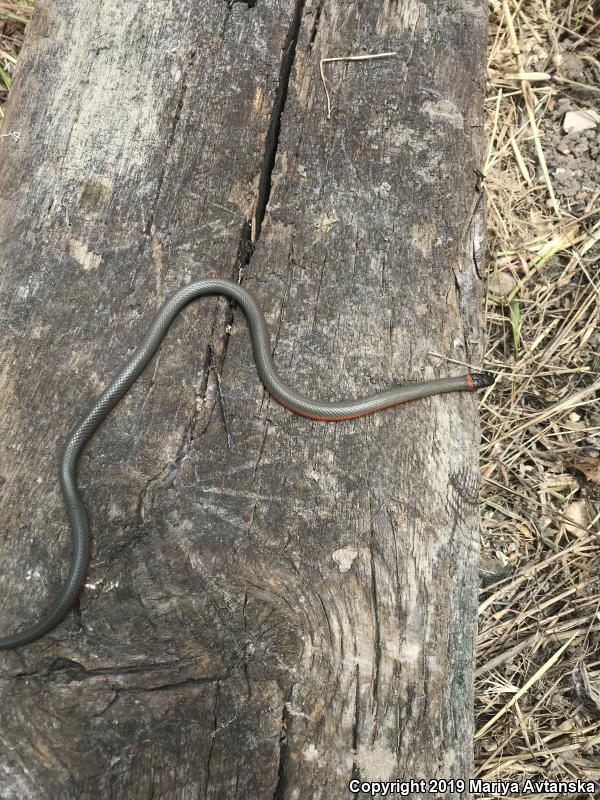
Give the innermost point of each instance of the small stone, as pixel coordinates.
(578, 517)
(583, 120)
(581, 147)
(501, 283)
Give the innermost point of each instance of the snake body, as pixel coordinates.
(277, 388)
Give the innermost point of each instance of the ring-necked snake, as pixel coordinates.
(280, 391)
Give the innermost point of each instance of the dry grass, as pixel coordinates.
(13, 16)
(538, 676)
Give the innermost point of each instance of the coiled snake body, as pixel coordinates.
(280, 391)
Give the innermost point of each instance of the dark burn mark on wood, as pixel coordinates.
(94, 195)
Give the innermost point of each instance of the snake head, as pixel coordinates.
(481, 380)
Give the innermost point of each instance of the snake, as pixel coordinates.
(305, 406)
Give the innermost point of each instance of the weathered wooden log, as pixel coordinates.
(274, 605)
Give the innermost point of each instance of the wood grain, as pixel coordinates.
(270, 612)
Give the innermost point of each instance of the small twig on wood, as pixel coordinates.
(15, 135)
(327, 85)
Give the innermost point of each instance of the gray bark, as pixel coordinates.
(267, 615)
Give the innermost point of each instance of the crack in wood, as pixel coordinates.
(75, 671)
(274, 130)
(183, 90)
(171, 470)
(283, 754)
(172, 685)
(78, 615)
(356, 726)
(468, 281)
(212, 738)
(245, 647)
(315, 27)
(250, 232)
(375, 604)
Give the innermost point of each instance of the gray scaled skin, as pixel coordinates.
(303, 405)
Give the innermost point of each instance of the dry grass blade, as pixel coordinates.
(526, 686)
(529, 99)
(539, 611)
(13, 18)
